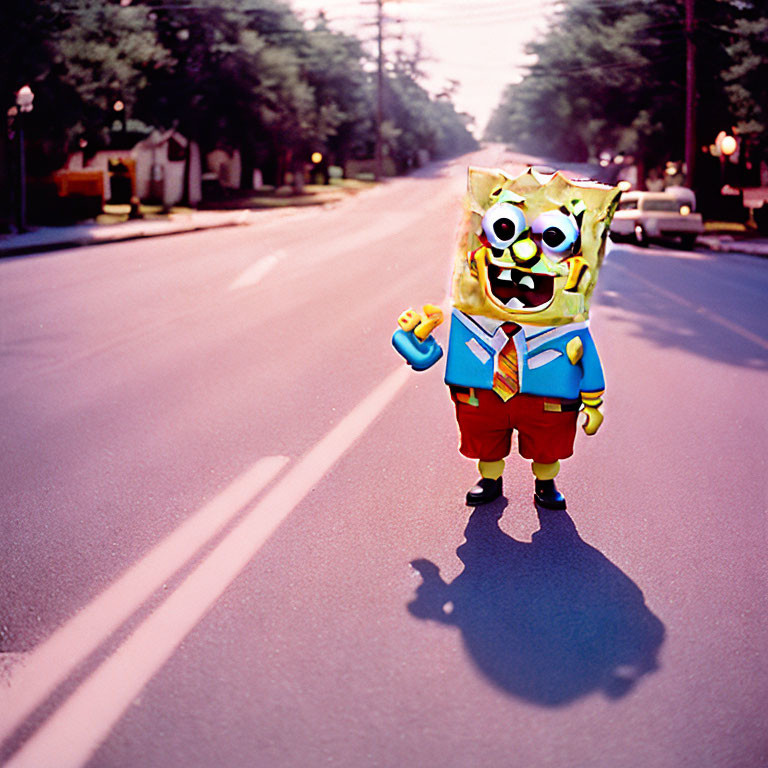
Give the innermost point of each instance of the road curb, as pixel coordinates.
(721, 245)
(26, 249)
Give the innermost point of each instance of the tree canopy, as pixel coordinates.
(610, 76)
(247, 74)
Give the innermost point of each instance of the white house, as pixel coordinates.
(161, 167)
(161, 164)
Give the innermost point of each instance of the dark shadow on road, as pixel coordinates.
(737, 297)
(549, 621)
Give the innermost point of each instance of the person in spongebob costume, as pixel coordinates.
(520, 353)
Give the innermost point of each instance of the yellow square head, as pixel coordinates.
(532, 246)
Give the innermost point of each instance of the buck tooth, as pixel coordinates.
(505, 274)
(527, 282)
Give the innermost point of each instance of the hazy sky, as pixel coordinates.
(477, 43)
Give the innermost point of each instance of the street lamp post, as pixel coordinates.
(727, 145)
(119, 108)
(24, 101)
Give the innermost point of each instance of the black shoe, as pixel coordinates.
(547, 495)
(486, 490)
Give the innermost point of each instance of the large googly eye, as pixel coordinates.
(558, 231)
(503, 224)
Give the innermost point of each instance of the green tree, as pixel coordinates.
(25, 58)
(109, 53)
(745, 77)
(237, 78)
(79, 57)
(416, 121)
(333, 65)
(246, 74)
(606, 78)
(611, 75)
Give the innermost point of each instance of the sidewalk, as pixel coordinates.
(43, 239)
(754, 246)
(230, 213)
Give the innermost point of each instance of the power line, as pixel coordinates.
(592, 68)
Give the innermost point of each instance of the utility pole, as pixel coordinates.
(690, 94)
(22, 220)
(379, 89)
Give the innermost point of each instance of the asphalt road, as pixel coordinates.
(233, 531)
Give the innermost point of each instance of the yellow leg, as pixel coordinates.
(491, 469)
(545, 471)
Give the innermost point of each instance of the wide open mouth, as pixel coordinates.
(516, 289)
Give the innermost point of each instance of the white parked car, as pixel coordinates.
(645, 216)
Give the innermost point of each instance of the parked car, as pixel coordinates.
(645, 216)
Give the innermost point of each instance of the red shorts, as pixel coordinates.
(544, 434)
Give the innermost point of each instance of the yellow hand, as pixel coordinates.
(409, 320)
(433, 316)
(421, 325)
(594, 419)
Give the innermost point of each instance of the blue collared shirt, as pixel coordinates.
(543, 365)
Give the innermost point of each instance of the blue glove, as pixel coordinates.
(420, 355)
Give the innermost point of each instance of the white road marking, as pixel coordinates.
(70, 737)
(257, 271)
(37, 674)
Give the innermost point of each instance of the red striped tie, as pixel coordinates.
(505, 380)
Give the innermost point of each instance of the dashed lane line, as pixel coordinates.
(254, 274)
